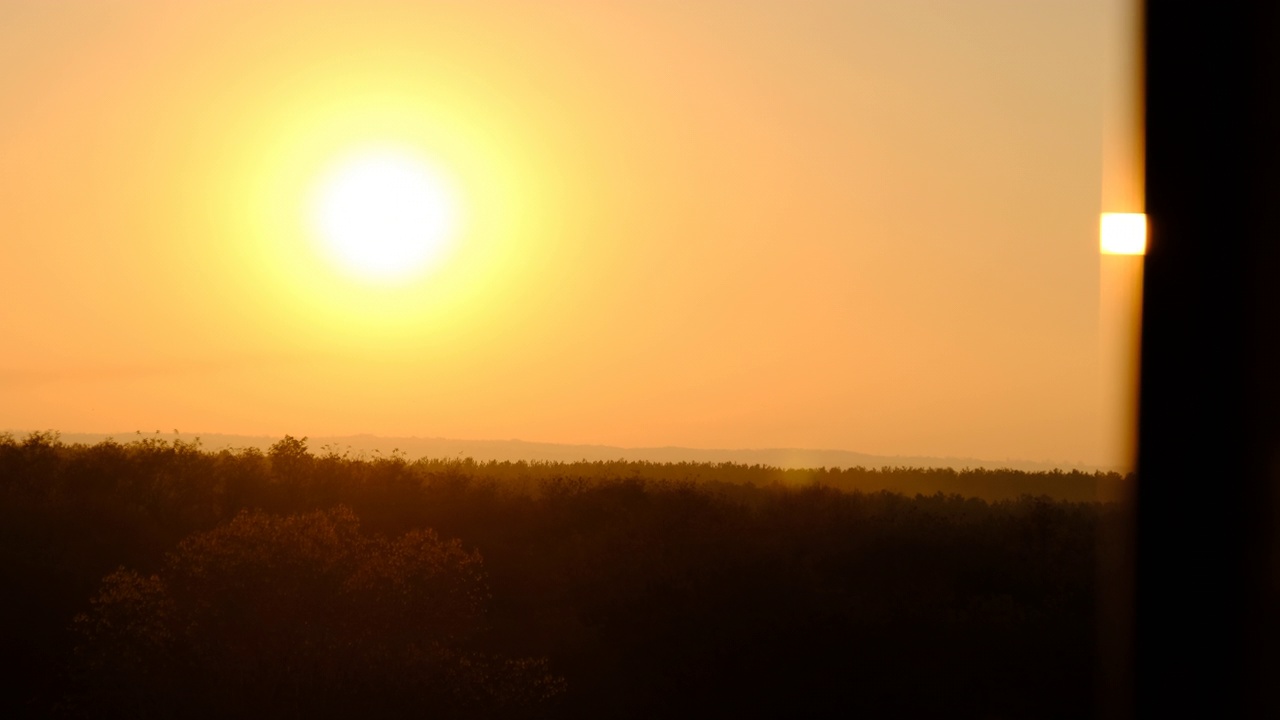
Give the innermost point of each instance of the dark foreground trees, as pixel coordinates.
(286, 583)
(301, 616)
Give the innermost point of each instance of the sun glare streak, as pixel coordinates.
(1123, 234)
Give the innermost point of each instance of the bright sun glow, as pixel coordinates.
(1124, 234)
(384, 215)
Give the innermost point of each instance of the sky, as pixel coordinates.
(857, 225)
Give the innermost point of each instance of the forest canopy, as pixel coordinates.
(158, 579)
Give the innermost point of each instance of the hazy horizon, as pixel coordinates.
(515, 449)
(867, 227)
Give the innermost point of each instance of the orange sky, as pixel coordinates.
(852, 225)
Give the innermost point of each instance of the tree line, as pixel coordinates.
(153, 578)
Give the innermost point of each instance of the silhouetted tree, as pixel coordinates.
(658, 590)
(302, 615)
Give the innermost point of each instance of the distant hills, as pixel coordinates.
(515, 450)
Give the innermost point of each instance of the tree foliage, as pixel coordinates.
(300, 616)
(286, 583)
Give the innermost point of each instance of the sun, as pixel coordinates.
(384, 215)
